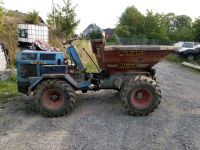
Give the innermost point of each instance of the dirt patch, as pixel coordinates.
(100, 122)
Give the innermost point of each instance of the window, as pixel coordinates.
(23, 33)
(188, 45)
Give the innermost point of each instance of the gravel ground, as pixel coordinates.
(100, 123)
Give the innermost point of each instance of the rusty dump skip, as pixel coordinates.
(125, 58)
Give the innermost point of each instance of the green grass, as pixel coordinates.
(175, 58)
(8, 89)
(178, 59)
(91, 68)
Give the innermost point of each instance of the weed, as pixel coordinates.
(175, 58)
(8, 89)
(178, 59)
(91, 68)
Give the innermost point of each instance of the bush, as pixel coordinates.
(96, 35)
(9, 37)
(32, 18)
(175, 58)
(8, 89)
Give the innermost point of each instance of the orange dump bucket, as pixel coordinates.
(126, 58)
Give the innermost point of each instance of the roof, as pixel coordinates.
(109, 30)
(19, 18)
(91, 28)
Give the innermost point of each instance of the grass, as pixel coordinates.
(91, 68)
(178, 59)
(8, 89)
(80, 44)
(175, 58)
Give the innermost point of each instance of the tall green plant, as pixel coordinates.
(63, 19)
(196, 27)
(8, 34)
(1, 12)
(131, 23)
(33, 17)
(162, 27)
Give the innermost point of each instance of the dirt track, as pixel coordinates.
(99, 122)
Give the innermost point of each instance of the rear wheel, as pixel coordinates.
(198, 59)
(140, 96)
(190, 58)
(54, 98)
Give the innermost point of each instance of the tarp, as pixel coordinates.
(41, 45)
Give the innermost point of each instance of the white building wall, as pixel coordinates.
(3, 63)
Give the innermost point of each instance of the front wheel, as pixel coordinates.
(140, 96)
(54, 98)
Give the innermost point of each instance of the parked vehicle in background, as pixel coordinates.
(191, 54)
(187, 45)
(189, 50)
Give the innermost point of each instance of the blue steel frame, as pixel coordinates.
(34, 81)
(75, 56)
(37, 61)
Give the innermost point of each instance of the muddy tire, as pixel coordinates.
(54, 98)
(140, 96)
(190, 58)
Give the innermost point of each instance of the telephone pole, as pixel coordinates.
(53, 11)
(1, 2)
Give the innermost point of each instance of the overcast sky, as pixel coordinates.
(105, 13)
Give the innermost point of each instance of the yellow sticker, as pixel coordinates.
(38, 63)
(126, 65)
(131, 53)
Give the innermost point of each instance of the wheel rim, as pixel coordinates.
(52, 99)
(141, 98)
(190, 58)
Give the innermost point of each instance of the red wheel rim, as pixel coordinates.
(141, 98)
(52, 99)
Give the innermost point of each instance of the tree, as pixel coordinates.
(1, 8)
(151, 25)
(131, 23)
(96, 35)
(63, 20)
(33, 17)
(183, 21)
(196, 27)
(171, 24)
(183, 30)
(156, 27)
(179, 27)
(1, 11)
(123, 31)
(183, 34)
